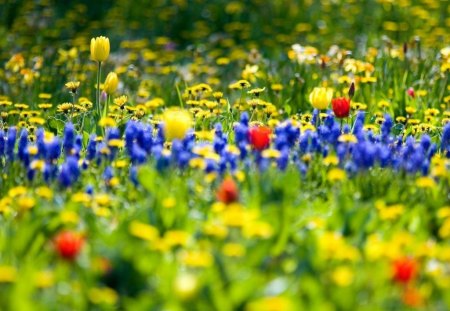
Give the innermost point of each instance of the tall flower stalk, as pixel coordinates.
(98, 94)
(99, 52)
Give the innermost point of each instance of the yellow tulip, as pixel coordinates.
(99, 49)
(321, 97)
(176, 123)
(111, 83)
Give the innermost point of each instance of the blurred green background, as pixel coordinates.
(270, 23)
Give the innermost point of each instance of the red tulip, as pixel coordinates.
(228, 191)
(410, 92)
(259, 137)
(404, 270)
(341, 107)
(68, 244)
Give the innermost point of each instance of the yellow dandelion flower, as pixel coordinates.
(17, 191)
(26, 203)
(176, 238)
(233, 250)
(342, 276)
(271, 154)
(44, 192)
(336, 174)
(169, 202)
(103, 295)
(143, 231)
(425, 182)
(8, 274)
(197, 259)
(331, 160)
(44, 279)
(107, 122)
(72, 86)
(348, 138)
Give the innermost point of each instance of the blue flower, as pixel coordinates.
(40, 143)
(52, 149)
(244, 118)
(91, 148)
(89, 189)
(133, 175)
(2, 143)
(386, 127)
(445, 140)
(282, 161)
(65, 178)
(112, 133)
(69, 137)
(11, 143)
(138, 155)
(22, 146)
(108, 174)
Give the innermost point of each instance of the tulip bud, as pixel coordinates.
(99, 49)
(176, 123)
(351, 90)
(111, 83)
(410, 92)
(320, 97)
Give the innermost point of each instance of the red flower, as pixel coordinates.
(410, 92)
(259, 137)
(68, 244)
(404, 270)
(341, 107)
(228, 191)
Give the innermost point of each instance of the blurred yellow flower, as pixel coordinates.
(26, 203)
(176, 123)
(169, 202)
(8, 274)
(342, 276)
(257, 229)
(336, 174)
(233, 250)
(186, 286)
(197, 259)
(143, 231)
(44, 192)
(68, 217)
(425, 182)
(44, 279)
(176, 238)
(103, 295)
(275, 303)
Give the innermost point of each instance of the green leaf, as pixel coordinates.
(398, 129)
(146, 177)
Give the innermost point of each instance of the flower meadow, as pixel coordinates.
(225, 155)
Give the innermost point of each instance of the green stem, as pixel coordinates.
(73, 106)
(97, 104)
